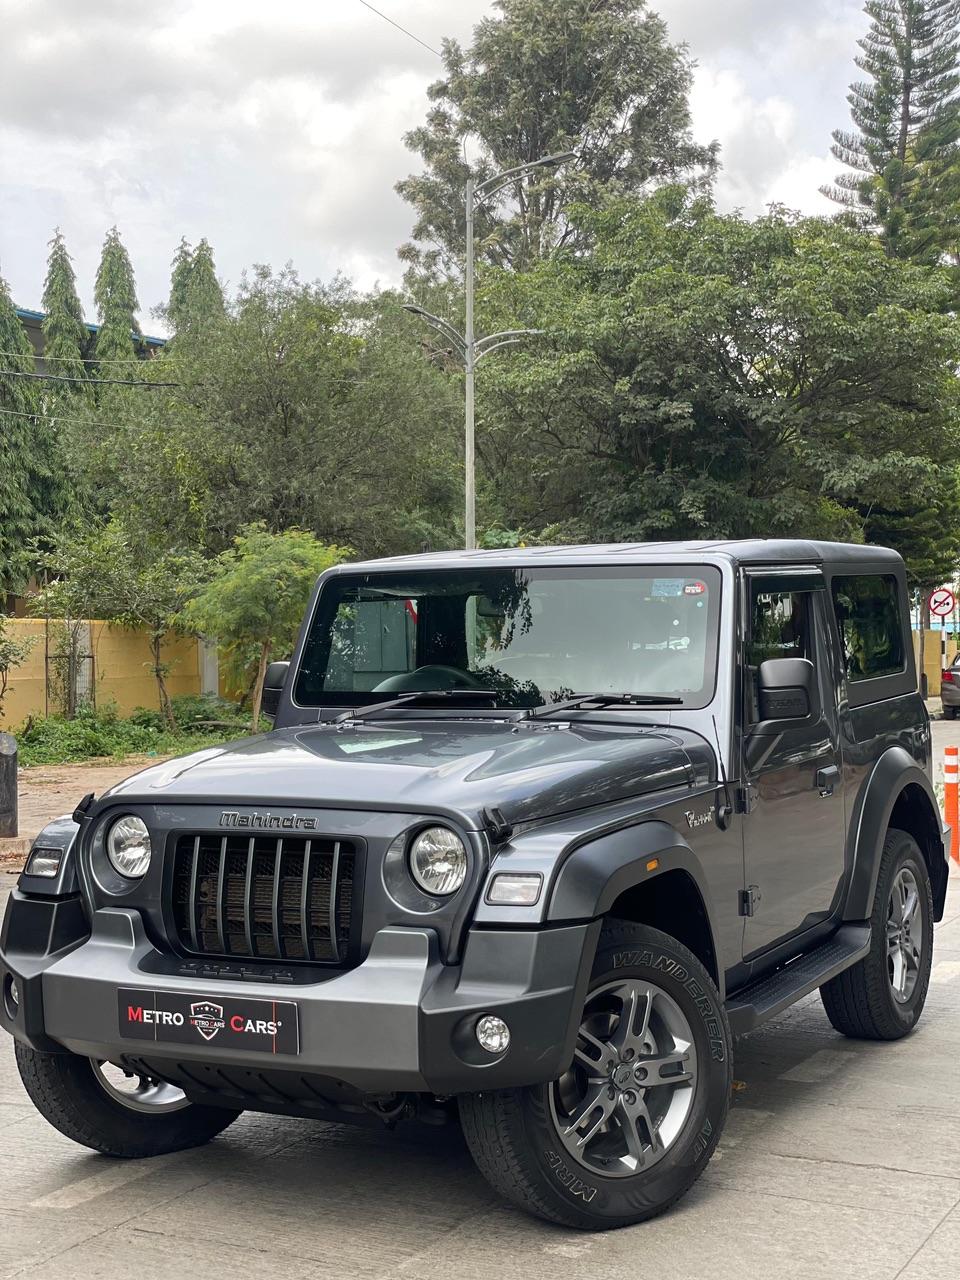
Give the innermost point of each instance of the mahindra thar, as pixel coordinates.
(536, 834)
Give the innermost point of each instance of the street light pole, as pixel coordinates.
(470, 364)
(470, 348)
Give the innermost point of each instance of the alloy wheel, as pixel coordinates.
(138, 1092)
(630, 1090)
(905, 938)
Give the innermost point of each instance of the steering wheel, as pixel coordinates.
(432, 676)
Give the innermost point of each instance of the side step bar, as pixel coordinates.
(752, 1005)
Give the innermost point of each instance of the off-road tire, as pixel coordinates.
(860, 1002)
(64, 1089)
(949, 713)
(513, 1136)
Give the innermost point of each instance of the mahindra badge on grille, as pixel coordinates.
(266, 821)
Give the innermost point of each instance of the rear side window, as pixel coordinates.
(868, 615)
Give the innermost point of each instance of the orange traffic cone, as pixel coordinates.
(951, 807)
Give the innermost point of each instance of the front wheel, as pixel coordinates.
(113, 1111)
(632, 1123)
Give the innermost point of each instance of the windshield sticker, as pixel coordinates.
(664, 588)
(377, 744)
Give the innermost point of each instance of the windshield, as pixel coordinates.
(534, 635)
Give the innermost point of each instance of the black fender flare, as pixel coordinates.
(596, 873)
(893, 772)
(60, 834)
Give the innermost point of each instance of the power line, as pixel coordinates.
(33, 355)
(60, 377)
(423, 43)
(56, 417)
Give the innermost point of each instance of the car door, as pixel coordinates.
(794, 824)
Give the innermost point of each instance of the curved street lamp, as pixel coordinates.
(470, 349)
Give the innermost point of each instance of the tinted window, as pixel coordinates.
(532, 635)
(780, 625)
(868, 615)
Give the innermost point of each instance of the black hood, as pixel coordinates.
(527, 770)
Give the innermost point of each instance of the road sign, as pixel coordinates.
(942, 602)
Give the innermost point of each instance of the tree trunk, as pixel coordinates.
(166, 710)
(258, 687)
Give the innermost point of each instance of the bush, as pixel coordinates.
(98, 732)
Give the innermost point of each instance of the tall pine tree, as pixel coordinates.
(31, 474)
(907, 118)
(115, 294)
(541, 77)
(65, 335)
(196, 298)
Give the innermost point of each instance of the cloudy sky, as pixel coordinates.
(275, 129)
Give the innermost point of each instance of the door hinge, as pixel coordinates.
(749, 898)
(743, 801)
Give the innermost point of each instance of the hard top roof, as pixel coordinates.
(771, 551)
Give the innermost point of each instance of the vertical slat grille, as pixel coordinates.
(264, 897)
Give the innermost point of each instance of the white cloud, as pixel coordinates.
(276, 130)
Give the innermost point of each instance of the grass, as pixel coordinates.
(100, 732)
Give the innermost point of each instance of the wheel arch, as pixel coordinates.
(646, 874)
(898, 793)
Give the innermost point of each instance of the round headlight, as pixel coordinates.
(128, 847)
(438, 861)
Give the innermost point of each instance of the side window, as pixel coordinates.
(780, 626)
(868, 616)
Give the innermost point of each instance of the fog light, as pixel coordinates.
(512, 890)
(11, 996)
(14, 993)
(43, 862)
(493, 1034)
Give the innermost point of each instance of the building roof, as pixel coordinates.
(36, 318)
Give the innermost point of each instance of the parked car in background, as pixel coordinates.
(950, 689)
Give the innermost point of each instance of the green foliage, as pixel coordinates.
(196, 306)
(100, 571)
(100, 732)
(115, 294)
(31, 471)
(706, 376)
(307, 407)
(259, 591)
(65, 335)
(901, 159)
(541, 77)
(13, 653)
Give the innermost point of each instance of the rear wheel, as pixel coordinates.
(114, 1111)
(630, 1126)
(949, 713)
(882, 997)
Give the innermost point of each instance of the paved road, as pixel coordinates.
(840, 1159)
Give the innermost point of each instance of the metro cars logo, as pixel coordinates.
(207, 1018)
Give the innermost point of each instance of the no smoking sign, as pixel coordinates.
(942, 602)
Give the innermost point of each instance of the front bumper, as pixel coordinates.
(399, 1021)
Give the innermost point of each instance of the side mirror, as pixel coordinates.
(273, 683)
(786, 689)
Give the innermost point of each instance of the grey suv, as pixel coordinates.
(536, 834)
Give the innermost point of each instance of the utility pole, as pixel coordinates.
(470, 349)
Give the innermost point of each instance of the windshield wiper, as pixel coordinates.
(596, 701)
(418, 695)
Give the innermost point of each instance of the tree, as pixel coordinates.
(310, 410)
(13, 653)
(100, 571)
(258, 594)
(65, 335)
(707, 376)
(115, 294)
(541, 77)
(31, 473)
(907, 119)
(196, 298)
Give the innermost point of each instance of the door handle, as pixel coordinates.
(827, 779)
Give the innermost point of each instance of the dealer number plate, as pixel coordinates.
(228, 1022)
